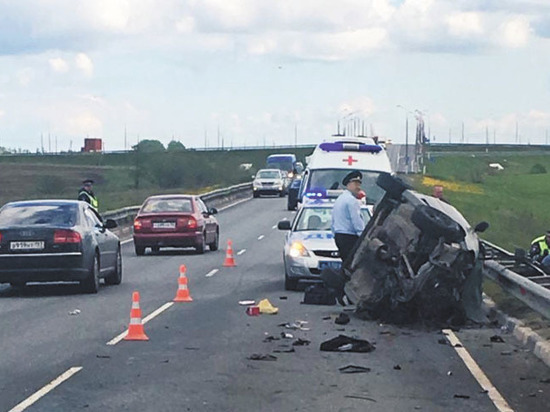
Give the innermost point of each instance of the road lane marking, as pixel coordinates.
(274, 227)
(477, 373)
(154, 314)
(49, 387)
(234, 204)
(261, 237)
(127, 241)
(212, 272)
(240, 252)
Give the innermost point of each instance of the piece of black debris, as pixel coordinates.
(532, 395)
(345, 343)
(270, 338)
(103, 356)
(342, 319)
(366, 398)
(327, 318)
(506, 352)
(301, 342)
(442, 341)
(487, 345)
(283, 297)
(458, 345)
(397, 367)
(165, 361)
(545, 380)
(263, 357)
(386, 332)
(354, 369)
(496, 339)
(458, 395)
(191, 348)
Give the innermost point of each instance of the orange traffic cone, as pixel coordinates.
(182, 295)
(135, 328)
(229, 259)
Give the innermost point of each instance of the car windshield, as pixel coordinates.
(269, 174)
(167, 205)
(320, 218)
(331, 179)
(282, 164)
(40, 215)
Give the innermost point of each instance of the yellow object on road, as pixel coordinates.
(266, 307)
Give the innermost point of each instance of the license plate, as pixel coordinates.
(29, 245)
(164, 225)
(330, 264)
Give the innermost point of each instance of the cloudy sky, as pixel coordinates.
(271, 71)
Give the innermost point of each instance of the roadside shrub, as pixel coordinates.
(537, 169)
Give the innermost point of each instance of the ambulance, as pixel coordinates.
(333, 159)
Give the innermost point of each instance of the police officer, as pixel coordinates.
(347, 221)
(540, 248)
(87, 195)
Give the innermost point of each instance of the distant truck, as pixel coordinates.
(285, 162)
(92, 145)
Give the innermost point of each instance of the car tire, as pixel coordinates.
(282, 193)
(393, 185)
(140, 250)
(116, 277)
(91, 283)
(255, 194)
(216, 243)
(290, 284)
(437, 224)
(155, 249)
(201, 247)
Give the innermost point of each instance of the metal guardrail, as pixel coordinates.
(214, 198)
(532, 286)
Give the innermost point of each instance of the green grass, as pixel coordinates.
(514, 201)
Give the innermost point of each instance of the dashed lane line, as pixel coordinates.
(152, 315)
(49, 387)
(212, 273)
(477, 373)
(274, 227)
(261, 237)
(240, 252)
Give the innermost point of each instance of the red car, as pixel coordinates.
(175, 221)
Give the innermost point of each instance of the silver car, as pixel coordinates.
(269, 182)
(309, 245)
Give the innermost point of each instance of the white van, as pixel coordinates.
(332, 160)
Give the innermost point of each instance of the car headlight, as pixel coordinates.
(297, 249)
(257, 184)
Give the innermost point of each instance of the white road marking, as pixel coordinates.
(152, 315)
(235, 204)
(261, 237)
(127, 241)
(240, 252)
(212, 273)
(274, 227)
(49, 387)
(477, 373)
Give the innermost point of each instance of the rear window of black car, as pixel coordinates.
(167, 205)
(40, 215)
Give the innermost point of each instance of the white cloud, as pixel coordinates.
(85, 64)
(83, 123)
(2, 113)
(464, 24)
(515, 32)
(58, 65)
(25, 76)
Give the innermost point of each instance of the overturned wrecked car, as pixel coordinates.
(417, 259)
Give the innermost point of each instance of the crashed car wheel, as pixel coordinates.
(393, 186)
(437, 224)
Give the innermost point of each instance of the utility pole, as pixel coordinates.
(495, 136)
(449, 135)
(517, 135)
(295, 135)
(125, 139)
(462, 132)
(486, 135)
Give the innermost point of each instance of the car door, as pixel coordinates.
(104, 242)
(209, 225)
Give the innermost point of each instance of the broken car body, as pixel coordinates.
(418, 258)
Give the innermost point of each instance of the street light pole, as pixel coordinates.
(407, 111)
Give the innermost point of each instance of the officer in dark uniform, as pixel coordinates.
(86, 193)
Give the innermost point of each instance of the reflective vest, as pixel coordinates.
(91, 199)
(542, 244)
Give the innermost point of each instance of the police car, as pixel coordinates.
(335, 158)
(309, 244)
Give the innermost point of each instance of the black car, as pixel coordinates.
(57, 240)
(293, 190)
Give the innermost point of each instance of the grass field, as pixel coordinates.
(515, 201)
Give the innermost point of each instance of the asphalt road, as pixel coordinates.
(197, 355)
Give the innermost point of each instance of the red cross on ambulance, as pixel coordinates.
(350, 160)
